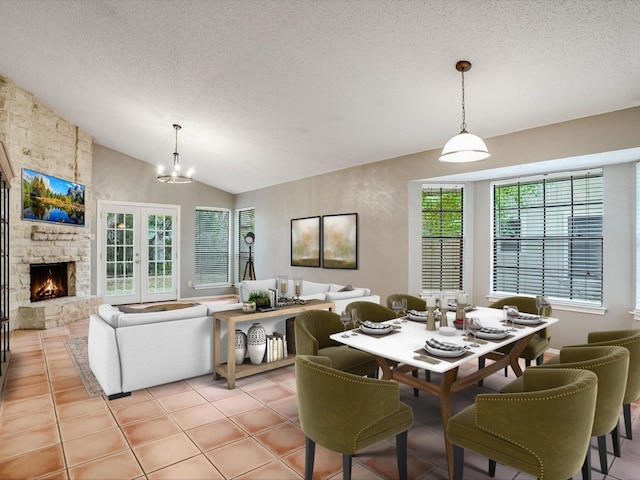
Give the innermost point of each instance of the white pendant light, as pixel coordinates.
(176, 176)
(464, 147)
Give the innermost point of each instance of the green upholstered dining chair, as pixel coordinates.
(374, 312)
(611, 365)
(629, 339)
(413, 303)
(543, 430)
(537, 345)
(327, 399)
(312, 329)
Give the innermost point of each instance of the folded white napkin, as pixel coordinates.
(449, 347)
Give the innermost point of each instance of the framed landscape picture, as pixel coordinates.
(51, 199)
(305, 242)
(340, 241)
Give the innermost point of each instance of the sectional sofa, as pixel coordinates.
(131, 351)
(137, 348)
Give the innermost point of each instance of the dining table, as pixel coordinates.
(408, 346)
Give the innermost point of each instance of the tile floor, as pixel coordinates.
(198, 429)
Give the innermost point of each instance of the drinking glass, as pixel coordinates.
(355, 320)
(542, 303)
(404, 309)
(396, 306)
(345, 319)
(465, 326)
(474, 326)
(510, 313)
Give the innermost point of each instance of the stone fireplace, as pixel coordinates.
(39, 139)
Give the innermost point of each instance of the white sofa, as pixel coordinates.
(131, 351)
(341, 295)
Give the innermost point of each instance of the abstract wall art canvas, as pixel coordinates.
(305, 242)
(340, 241)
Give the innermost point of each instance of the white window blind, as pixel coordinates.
(442, 237)
(212, 247)
(547, 236)
(246, 223)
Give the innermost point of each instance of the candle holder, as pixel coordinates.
(431, 318)
(444, 321)
(461, 307)
(297, 287)
(283, 285)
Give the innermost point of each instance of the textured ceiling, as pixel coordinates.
(269, 91)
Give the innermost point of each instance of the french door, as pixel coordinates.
(138, 247)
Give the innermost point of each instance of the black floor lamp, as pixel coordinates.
(249, 238)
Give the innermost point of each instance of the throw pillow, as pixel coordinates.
(347, 288)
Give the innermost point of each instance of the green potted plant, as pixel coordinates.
(260, 298)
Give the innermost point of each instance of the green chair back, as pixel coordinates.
(413, 303)
(374, 312)
(629, 339)
(312, 330)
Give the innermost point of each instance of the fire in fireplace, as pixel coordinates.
(49, 280)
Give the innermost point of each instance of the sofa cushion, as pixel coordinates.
(311, 288)
(161, 307)
(109, 314)
(356, 292)
(346, 288)
(129, 319)
(314, 296)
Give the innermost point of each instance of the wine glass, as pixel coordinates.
(542, 302)
(511, 313)
(396, 306)
(345, 319)
(404, 309)
(355, 320)
(474, 326)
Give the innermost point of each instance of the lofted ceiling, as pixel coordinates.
(269, 91)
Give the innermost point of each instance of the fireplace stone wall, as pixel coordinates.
(39, 139)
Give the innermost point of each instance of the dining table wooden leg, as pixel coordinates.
(445, 412)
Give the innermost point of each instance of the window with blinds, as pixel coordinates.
(547, 236)
(213, 247)
(245, 224)
(442, 237)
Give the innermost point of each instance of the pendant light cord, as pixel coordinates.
(463, 127)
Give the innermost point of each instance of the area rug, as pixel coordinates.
(77, 348)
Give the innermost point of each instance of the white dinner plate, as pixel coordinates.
(376, 331)
(525, 319)
(444, 353)
(488, 335)
(417, 318)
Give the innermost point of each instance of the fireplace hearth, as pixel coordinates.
(50, 280)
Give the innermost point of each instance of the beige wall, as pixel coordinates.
(119, 177)
(386, 197)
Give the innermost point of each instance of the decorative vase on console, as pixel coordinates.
(241, 346)
(256, 343)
